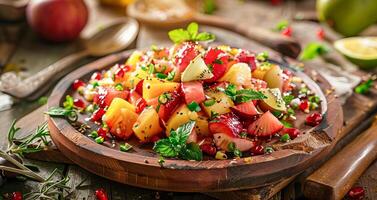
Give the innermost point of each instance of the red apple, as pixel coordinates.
(57, 20)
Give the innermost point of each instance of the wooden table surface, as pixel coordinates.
(31, 54)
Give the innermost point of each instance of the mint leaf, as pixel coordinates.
(313, 50)
(192, 152)
(68, 103)
(205, 37)
(287, 99)
(165, 148)
(243, 95)
(193, 29)
(179, 35)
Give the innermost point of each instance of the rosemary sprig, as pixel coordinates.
(69, 114)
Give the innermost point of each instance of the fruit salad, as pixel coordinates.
(189, 100)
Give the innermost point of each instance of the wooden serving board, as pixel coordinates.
(141, 168)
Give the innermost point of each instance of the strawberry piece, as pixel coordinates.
(139, 87)
(248, 58)
(138, 101)
(219, 62)
(208, 149)
(193, 91)
(257, 150)
(223, 140)
(266, 125)
(186, 52)
(96, 76)
(167, 109)
(102, 132)
(106, 96)
(245, 110)
(97, 115)
(77, 84)
(227, 123)
(79, 103)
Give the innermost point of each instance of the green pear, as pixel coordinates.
(348, 17)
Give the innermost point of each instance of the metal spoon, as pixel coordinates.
(140, 10)
(116, 37)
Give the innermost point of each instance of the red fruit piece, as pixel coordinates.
(257, 150)
(166, 110)
(211, 55)
(227, 123)
(97, 115)
(223, 140)
(314, 119)
(247, 57)
(77, 84)
(186, 52)
(304, 106)
(140, 105)
(16, 196)
(266, 125)
(287, 32)
(258, 84)
(193, 91)
(218, 59)
(78, 103)
(106, 96)
(96, 76)
(208, 149)
(292, 132)
(321, 34)
(245, 110)
(139, 87)
(356, 193)
(287, 78)
(101, 194)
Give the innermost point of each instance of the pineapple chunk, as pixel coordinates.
(135, 77)
(196, 70)
(260, 71)
(181, 116)
(134, 59)
(147, 125)
(222, 103)
(201, 126)
(238, 74)
(154, 87)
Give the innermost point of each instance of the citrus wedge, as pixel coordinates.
(362, 51)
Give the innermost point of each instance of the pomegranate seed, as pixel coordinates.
(78, 103)
(140, 105)
(287, 32)
(356, 193)
(120, 73)
(321, 34)
(304, 106)
(77, 84)
(97, 115)
(102, 132)
(208, 149)
(101, 194)
(257, 150)
(292, 132)
(16, 196)
(96, 76)
(313, 119)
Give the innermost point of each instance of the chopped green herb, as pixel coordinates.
(95, 84)
(175, 145)
(161, 161)
(154, 47)
(231, 146)
(125, 147)
(243, 134)
(313, 105)
(89, 108)
(190, 34)
(209, 6)
(42, 100)
(119, 87)
(164, 98)
(282, 25)
(71, 115)
(291, 112)
(94, 134)
(214, 114)
(243, 95)
(285, 138)
(144, 68)
(99, 139)
(277, 114)
(193, 106)
(314, 99)
(151, 69)
(170, 76)
(313, 50)
(161, 75)
(209, 102)
(268, 150)
(364, 87)
(286, 124)
(218, 61)
(68, 103)
(237, 153)
(262, 56)
(288, 98)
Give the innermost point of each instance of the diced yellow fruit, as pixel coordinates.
(274, 77)
(201, 126)
(134, 59)
(238, 74)
(117, 104)
(155, 87)
(135, 77)
(260, 71)
(147, 125)
(181, 116)
(196, 70)
(222, 102)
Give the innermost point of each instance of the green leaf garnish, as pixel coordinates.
(175, 145)
(288, 98)
(71, 115)
(170, 76)
(313, 50)
(262, 56)
(68, 103)
(193, 106)
(364, 87)
(243, 95)
(282, 25)
(209, 102)
(190, 34)
(286, 124)
(125, 147)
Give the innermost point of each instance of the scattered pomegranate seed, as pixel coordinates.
(292, 132)
(140, 105)
(78, 103)
(287, 32)
(96, 76)
(304, 106)
(16, 196)
(356, 193)
(97, 115)
(77, 84)
(313, 119)
(102, 132)
(257, 150)
(101, 194)
(321, 34)
(208, 149)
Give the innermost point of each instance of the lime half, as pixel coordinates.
(362, 51)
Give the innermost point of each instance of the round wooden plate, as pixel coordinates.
(140, 167)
